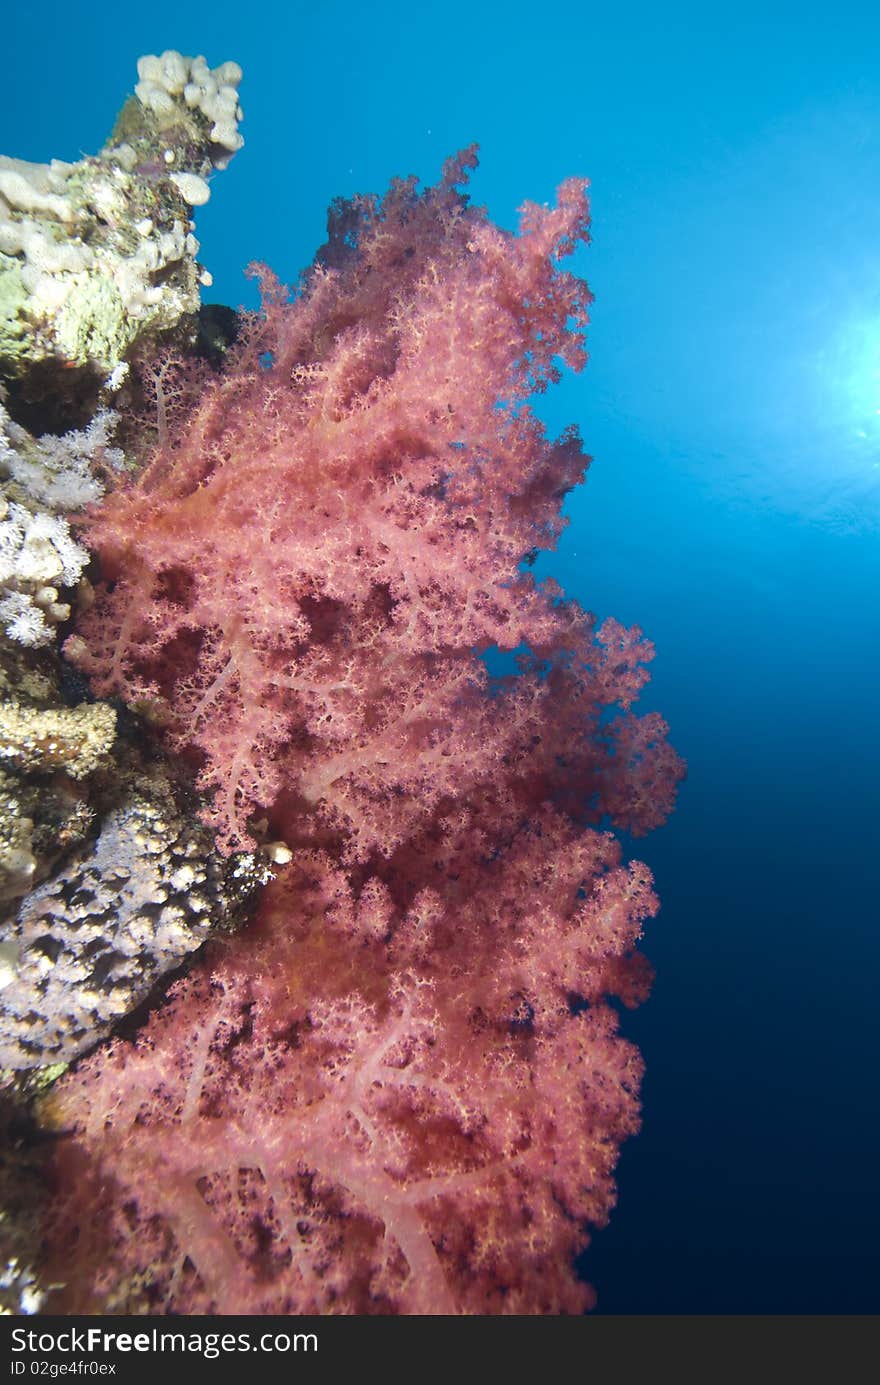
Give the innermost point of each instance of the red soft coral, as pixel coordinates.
(402, 1090)
(419, 1123)
(308, 571)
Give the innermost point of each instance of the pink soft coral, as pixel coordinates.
(402, 1090)
(309, 568)
(420, 1125)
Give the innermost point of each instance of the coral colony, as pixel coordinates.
(398, 1086)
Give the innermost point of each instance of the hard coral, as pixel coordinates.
(100, 254)
(87, 946)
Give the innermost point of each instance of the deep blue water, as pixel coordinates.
(732, 405)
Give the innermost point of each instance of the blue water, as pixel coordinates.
(732, 405)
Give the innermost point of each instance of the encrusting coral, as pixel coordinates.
(41, 812)
(89, 945)
(74, 739)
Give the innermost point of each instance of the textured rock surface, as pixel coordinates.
(48, 753)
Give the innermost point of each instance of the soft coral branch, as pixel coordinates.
(403, 1089)
(374, 432)
(419, 1129)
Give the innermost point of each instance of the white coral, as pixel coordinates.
(211, 92)
(24, 622)
(58, 472)
(37, 553)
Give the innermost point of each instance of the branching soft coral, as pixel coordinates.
(309, 568)
(316, 1129)
(402, 1090)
